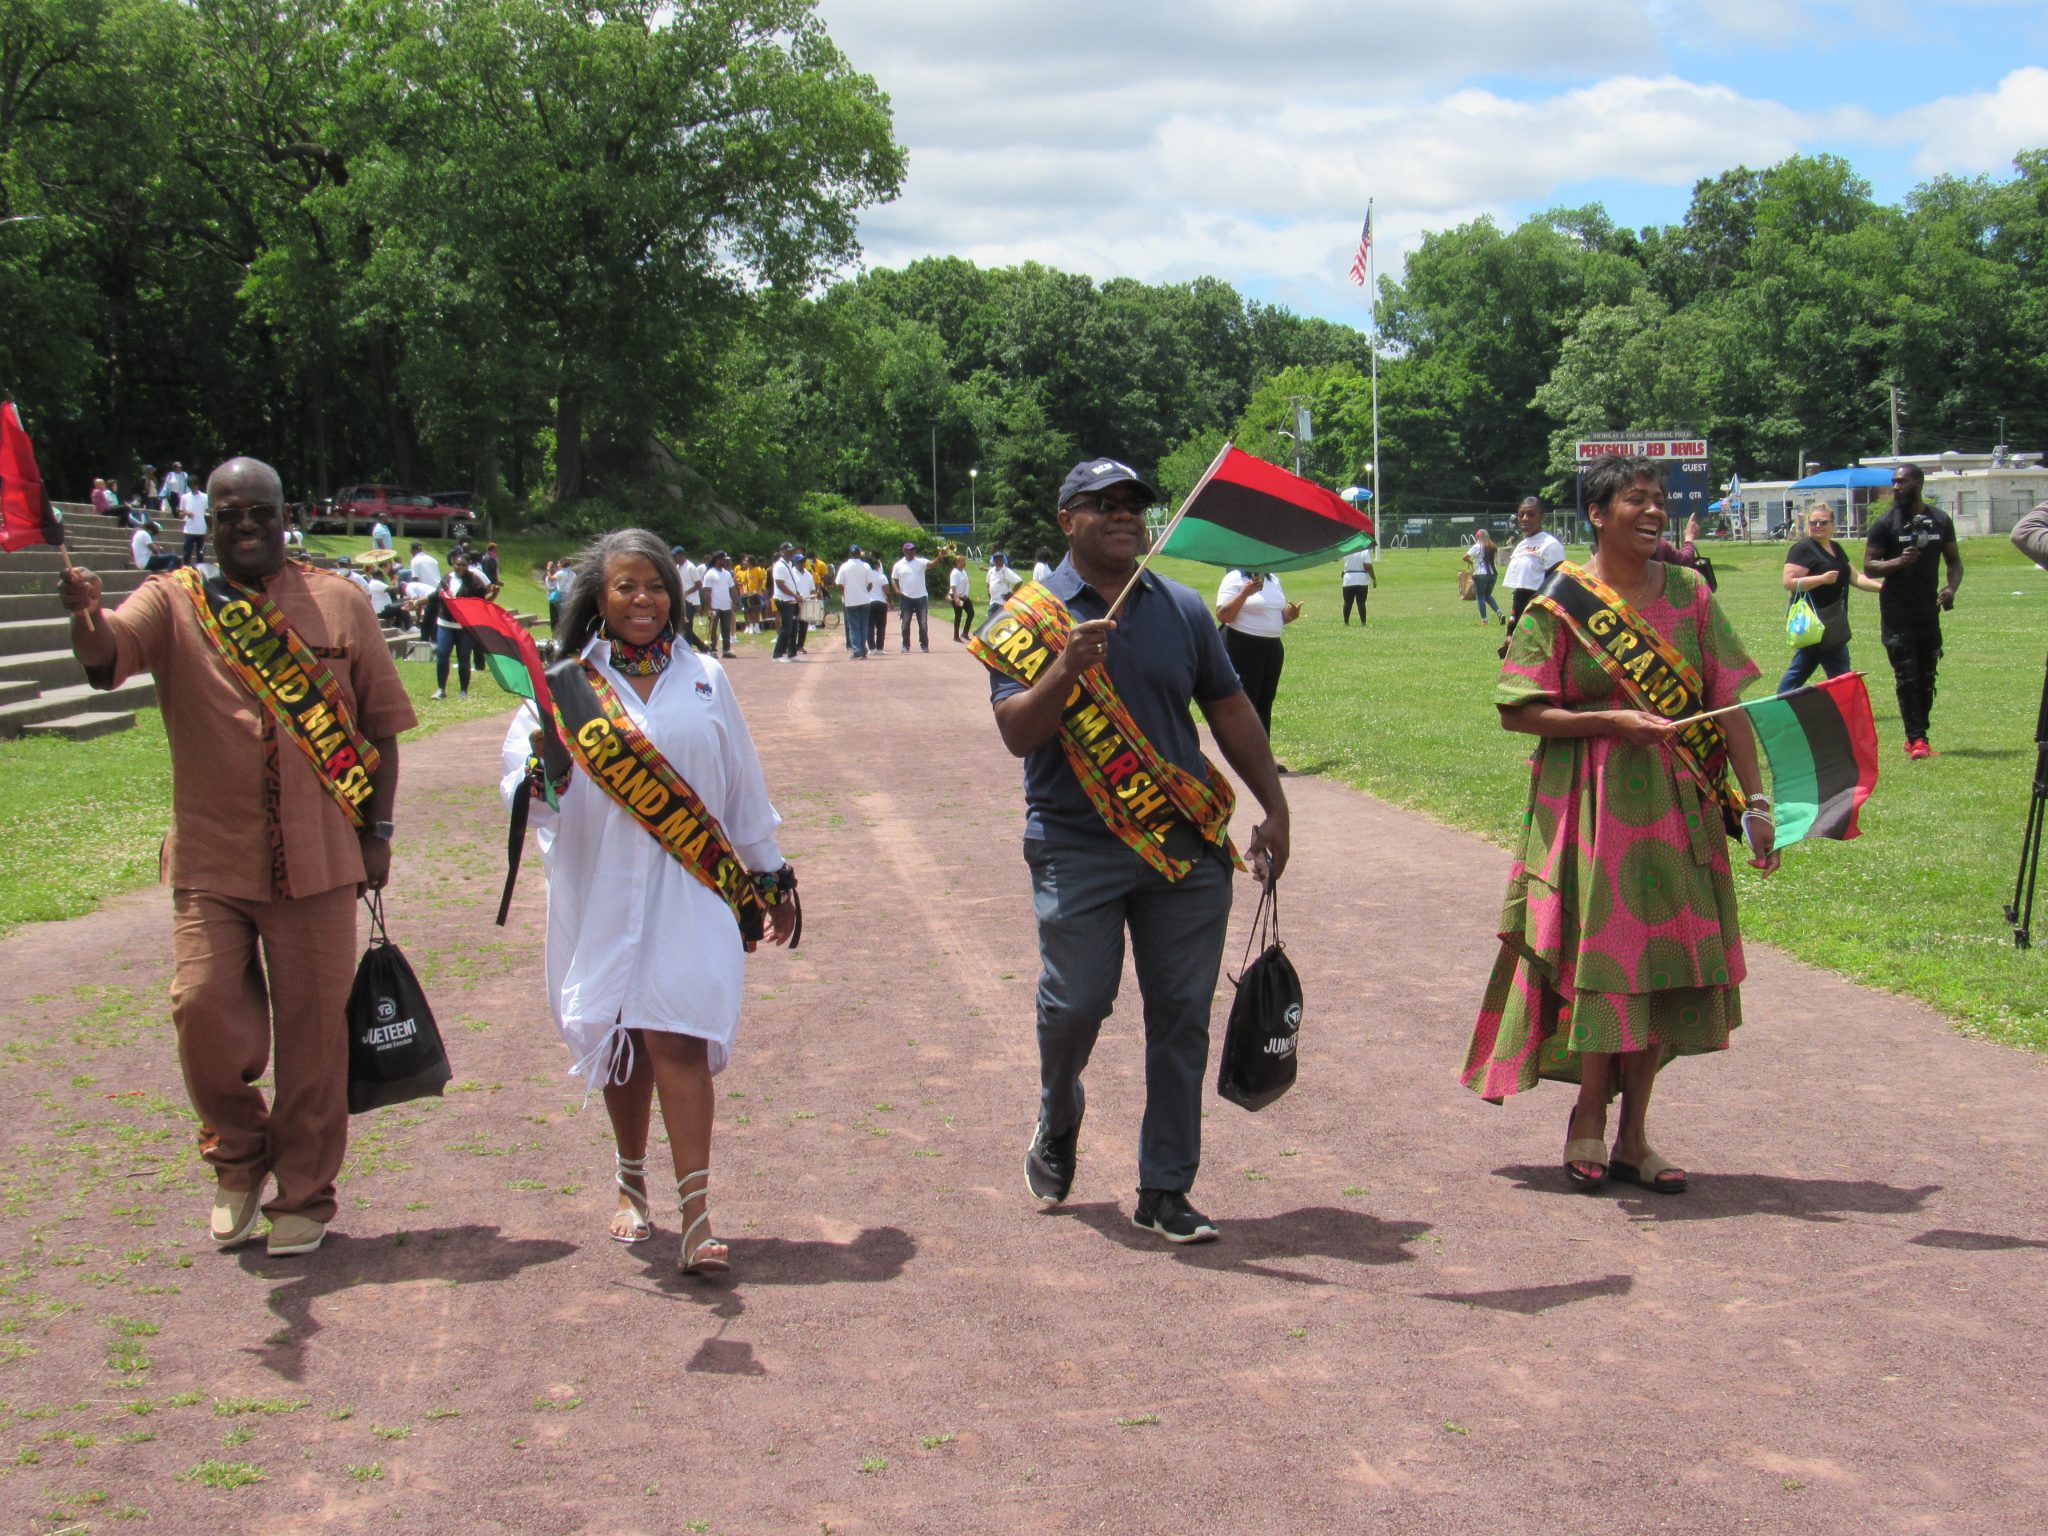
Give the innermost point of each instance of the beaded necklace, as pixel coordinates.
(648, 660)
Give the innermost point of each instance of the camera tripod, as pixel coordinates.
(2020, 910)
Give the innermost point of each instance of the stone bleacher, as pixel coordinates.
(43, 691)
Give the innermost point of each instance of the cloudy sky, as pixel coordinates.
(1164, 141)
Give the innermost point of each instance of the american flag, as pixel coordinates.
(1364, 249)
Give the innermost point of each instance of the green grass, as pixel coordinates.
(1403, 710)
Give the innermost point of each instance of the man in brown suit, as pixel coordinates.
(276, 828)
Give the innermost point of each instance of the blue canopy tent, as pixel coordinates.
(1856, 477)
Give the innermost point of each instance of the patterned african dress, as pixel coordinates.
(1619, 931)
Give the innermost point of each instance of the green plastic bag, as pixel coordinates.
(1803, 626)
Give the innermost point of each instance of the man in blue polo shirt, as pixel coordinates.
(1162, 654)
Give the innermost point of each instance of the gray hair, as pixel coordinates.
(584, 611)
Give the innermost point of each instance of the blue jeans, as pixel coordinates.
(1835, 658)
(1084, 896)
(451, 636)
(1482, 590)
(857, 629)
(917, 605)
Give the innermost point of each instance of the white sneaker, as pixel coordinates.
(440, 693)
(465, 693)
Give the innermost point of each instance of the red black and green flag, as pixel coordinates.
(1822, 744)
(510, 655)
(1246, 514)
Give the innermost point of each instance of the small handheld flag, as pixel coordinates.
(1822, 746)
(1250, 515)
(513, 660)
(26, 516)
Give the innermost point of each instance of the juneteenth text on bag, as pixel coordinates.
(394, 1047)
(1259, 1057)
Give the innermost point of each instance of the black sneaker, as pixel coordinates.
(1167, 1212)
(1049, 1163)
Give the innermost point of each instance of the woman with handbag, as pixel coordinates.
(645, 958)
(1483, 556)
(1620, 948)
(1818, 571)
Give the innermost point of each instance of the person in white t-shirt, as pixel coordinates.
(1359, 577)
(717, 587)
(193, 505)
(1253, 611)
(380, 534)
(960, 591)
(692, 575)
(913, 597)
(1041, 567)
(1002, 580)
(1535, 555)
(142, 550)
(855, 582)
(806, 589)
(789, 603)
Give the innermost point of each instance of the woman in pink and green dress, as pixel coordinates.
(1619, 943)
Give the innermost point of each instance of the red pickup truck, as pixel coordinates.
(443, 515)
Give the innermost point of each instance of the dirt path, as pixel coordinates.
(1410, 1324)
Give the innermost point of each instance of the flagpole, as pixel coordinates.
(1167, 532)
(1373, 334)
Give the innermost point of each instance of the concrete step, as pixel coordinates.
(75, 699)
(45, 669)
(84, 726)
(14, 693)
(115, 581)
(20, 637)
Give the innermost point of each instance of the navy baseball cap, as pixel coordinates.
(1092, 475)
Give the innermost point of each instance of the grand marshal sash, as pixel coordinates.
(619, 759)
(1651, 671)
(1156, 808)
(287, 679)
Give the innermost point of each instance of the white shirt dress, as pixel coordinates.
(635, 941)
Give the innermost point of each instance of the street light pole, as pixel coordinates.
(973, 482)
(935, 474)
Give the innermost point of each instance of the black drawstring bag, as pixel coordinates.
(1258, 1061)
(394, 1049)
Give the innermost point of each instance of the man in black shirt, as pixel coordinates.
(1900, 550)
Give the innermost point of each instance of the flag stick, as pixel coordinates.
(1167, 532)
(1729, 709)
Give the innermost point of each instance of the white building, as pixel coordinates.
(1986, 493)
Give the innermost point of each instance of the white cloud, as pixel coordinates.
(1242, 137)
(1976, 133)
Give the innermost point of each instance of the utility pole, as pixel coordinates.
(935, 474)
(1895, 421)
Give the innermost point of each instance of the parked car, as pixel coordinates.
(445, 515)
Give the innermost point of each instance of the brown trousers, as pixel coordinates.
(227, 1007)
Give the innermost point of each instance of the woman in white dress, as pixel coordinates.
(644, 960)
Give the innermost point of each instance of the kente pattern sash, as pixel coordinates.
(1144, 799)
(1651, 672)
(267, 658)
(618, 758)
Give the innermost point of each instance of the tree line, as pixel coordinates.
(579, 259)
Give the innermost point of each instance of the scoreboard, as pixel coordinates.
(1688, 479)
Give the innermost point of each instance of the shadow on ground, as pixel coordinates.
(1975, 1242)
(1529, 1300)
(1716, 1196)
(1253, 1244)
(458, 1255)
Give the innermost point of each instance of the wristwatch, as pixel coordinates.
(381, 830)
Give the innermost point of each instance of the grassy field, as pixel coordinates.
(1402, 710)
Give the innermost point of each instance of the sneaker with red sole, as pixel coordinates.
(1918, 748)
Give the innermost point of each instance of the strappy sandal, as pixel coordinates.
(643, 1213)
(1649, 1174)
(1584, 1149)
(694, 1262)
